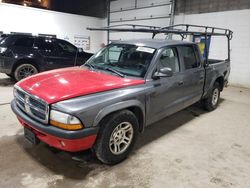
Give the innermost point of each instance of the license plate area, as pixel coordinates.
(30, 136)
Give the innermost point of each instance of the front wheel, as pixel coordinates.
(24, 71)
(117, 136)
(212, 101)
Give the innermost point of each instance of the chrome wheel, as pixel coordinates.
(121, 138)
(215, 96)
(26, 71)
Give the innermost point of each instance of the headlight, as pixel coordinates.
(2, 50)
(64, 121)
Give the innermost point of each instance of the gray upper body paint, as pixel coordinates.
(155, 99)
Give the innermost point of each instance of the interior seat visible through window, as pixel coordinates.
(189, 57)
(169, 59)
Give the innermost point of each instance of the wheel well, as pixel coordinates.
(24, 61)
(139, 114)
(220, 80)
(136, 110)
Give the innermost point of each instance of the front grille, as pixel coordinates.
(31, 105)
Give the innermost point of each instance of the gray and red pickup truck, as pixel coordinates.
(108, 101)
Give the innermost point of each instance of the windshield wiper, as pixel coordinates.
(93, 67)
(111, 70)
(115, 71)
(90, 66)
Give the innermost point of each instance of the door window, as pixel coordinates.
(169, 59)
(189, 57)
(65, 46)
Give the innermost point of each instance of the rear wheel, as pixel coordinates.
(24, 71)
(211, 102)
(117, 137)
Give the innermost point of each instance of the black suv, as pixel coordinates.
(24, 55)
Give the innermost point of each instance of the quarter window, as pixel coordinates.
(189, 57)
(24, 42)
(169, 58)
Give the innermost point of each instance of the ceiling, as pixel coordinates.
(96, 8)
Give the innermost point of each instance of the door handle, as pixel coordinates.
(180, 83)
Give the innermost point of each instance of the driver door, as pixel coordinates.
(167, 94)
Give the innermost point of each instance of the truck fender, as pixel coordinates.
(218, 76)
(116, 107)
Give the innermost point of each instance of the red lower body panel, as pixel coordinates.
(71, 145)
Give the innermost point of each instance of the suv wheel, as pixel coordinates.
(24, 70)
(211, 102)
(117, 137)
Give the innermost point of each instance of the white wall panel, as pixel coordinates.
(161, 11)
(16, 18)
(155, 22)
(155, 16)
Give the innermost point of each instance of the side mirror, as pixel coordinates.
(80, 50)
(163, 72)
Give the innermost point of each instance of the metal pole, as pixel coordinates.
(108, 19)
(228, 41)
(171, 22)
(206, 49)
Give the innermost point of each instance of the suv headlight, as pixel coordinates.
(64, 121)
(2, 50)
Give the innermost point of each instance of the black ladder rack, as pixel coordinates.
(180, 29)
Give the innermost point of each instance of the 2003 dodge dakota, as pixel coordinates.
(124, 87)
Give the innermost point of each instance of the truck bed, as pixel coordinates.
(214, 61)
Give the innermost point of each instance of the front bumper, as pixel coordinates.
(62, 139)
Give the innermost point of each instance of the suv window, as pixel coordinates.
(189, 57)
(65, 46)
(45, 44)
(169, 58)
(24, 42)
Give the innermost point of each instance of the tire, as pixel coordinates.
(117, 129)
(24, 71)
(211, 102)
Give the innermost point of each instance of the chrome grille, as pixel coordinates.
(31, 105)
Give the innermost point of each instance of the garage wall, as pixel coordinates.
(141, 12)
(238, 22)
(16, 18)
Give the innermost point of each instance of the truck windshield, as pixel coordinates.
(123, 59)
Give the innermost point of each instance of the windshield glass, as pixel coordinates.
(128, 60)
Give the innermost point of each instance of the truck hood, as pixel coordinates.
(61, 84)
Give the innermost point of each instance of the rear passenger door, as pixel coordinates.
(193, 73)
(23, 46)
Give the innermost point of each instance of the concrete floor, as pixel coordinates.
(192, 148)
